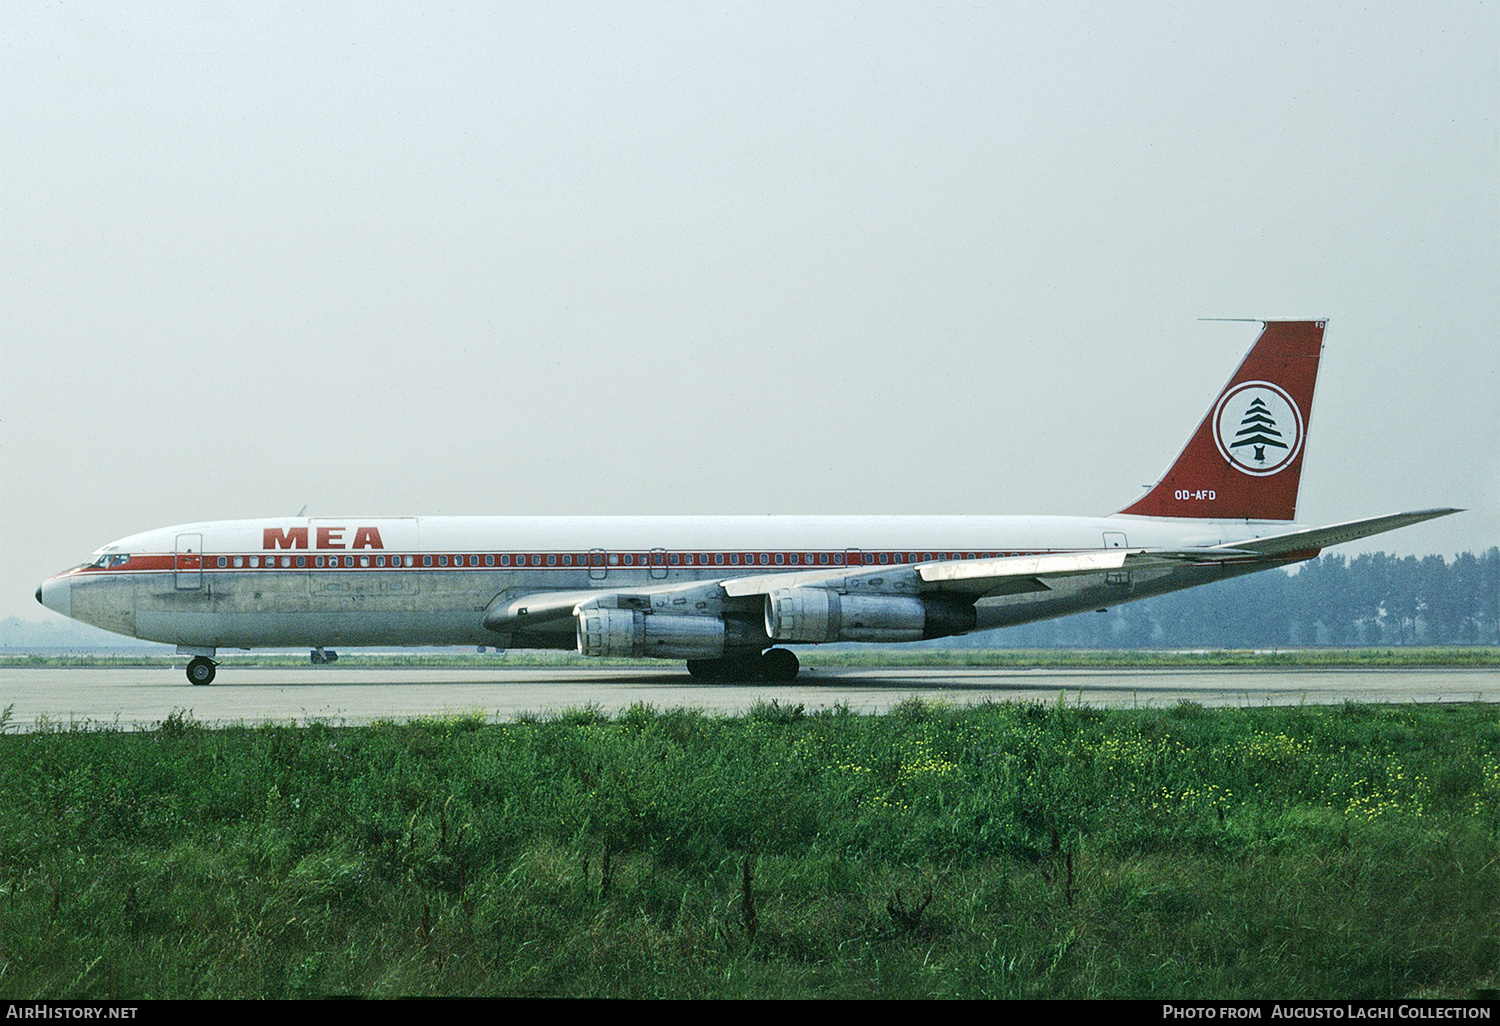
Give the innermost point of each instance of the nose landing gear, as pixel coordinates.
(319, 656)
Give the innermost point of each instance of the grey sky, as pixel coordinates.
(654, 258)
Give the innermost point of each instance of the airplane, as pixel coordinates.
(727, 593)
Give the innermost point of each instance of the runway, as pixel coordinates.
(142, 698)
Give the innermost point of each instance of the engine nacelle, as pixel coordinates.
(816, 614)
(820, 615)
(629, 633)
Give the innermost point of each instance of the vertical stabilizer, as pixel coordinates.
(1245, 460)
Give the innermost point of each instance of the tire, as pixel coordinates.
(740, 668)
(779, 665)
(201, 670)
(705, 669)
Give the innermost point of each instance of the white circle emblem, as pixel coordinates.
(1258, 428)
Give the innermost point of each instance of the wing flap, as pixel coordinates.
(1059, 565)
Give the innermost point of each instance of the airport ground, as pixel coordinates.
(350, 694)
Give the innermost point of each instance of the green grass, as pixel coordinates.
(1008, 850)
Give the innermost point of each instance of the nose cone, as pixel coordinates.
(56, 593)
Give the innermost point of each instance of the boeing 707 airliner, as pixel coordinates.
(726, 593)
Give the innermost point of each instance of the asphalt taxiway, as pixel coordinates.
(253, 695)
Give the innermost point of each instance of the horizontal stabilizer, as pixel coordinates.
(1314, 538)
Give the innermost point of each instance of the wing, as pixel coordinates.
(965, 580)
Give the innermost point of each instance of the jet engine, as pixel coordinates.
(817, 614)
(629, 633)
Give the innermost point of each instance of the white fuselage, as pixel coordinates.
(393, 581)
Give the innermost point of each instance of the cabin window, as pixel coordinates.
(363, 560)
(426, 560)
(551, 559)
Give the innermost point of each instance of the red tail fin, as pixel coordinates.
(1245, 459)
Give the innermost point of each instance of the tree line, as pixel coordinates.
(1372, 599)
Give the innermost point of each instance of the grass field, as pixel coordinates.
(1014, 850)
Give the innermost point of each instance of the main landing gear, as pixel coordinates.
(201, 670)
(774, 666)
(320, 656)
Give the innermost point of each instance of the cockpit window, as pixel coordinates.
(111, 559)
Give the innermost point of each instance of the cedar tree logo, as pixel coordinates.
(1258, 428)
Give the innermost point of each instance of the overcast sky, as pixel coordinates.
(767, 258)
